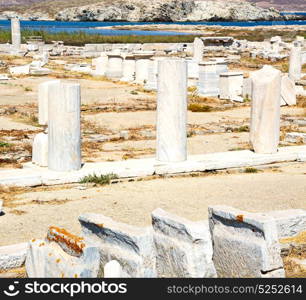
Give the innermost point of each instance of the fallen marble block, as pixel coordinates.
(289, 222)
(13, 256)
(244, 244)
(183, 248)
(64, 255)
(295, 137)
(20, 70)
(40, 71)
(4, 77)
(131, 246)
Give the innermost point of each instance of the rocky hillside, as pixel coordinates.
(171, 11)
(138, 10)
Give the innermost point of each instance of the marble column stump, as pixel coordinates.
(172, 111)
(265, 110)
(64, 132)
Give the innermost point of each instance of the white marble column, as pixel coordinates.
(64, 135)
(265, 110)
(43, 99)
(198, 49)
(114, 65)
(295, 63)
(16, 34)
(129, 68)
(172, 111)
(208, 84)
(142, 66)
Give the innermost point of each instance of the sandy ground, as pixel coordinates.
(30, 213)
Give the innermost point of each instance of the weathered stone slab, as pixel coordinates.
(289, 222)
(295, 137)
(13, 256)
(62, 254)
(183, 248)
(131, 246)
(244, 244)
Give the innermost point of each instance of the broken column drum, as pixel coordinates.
(265, 110)
(16, 35)
(172, 111)
(101, 64)
(115, 65)
(64, 136)
(208, 84)
(142, 66)
(128, 68)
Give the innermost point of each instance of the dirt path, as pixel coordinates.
(132, 202)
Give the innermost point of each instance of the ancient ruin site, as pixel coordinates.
(154, 159)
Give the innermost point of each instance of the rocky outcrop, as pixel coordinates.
(169, 11)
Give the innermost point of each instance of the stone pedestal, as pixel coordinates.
(172, 111)
(142, 66)
(198, 49)
(100, 64)
(43, 99)
(295, 64)
(129, 67)
(115, 65)
(231, 84)
(16, 34)
(64, 136)
(265, 111)
(40, 150)
(208, 84)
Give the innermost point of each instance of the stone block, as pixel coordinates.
(131, 246)
(64, 255)
(13, 256)
(295, 137)
(244, 244)
(289, 222)
(183, 248)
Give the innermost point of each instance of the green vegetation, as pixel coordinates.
(100, 180)
(81, 38)
(196, 107)
(251, 170)
(4, 144)
(244, 128)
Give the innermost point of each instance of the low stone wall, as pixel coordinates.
(232, 243)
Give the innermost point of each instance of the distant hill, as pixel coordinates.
(52, 7)
(282, 5)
